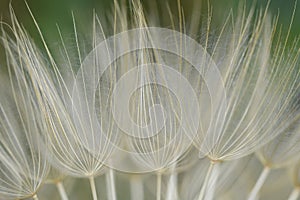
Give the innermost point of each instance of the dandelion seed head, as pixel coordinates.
(126, 94)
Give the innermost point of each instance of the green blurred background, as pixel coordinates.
(50, 12)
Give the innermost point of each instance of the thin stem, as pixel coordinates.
(207, 177)
(136, 188)
(158, 186)
(35, 197)
(212, 182)
(295, 194)
(111, 187)
(259, 183)
(93, 187)
(62, 191)
(172, 185)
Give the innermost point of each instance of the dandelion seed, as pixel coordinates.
(280, 152)
(23, 168)
(259, 91)
(70, 140)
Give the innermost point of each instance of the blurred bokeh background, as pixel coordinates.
(49, 13)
